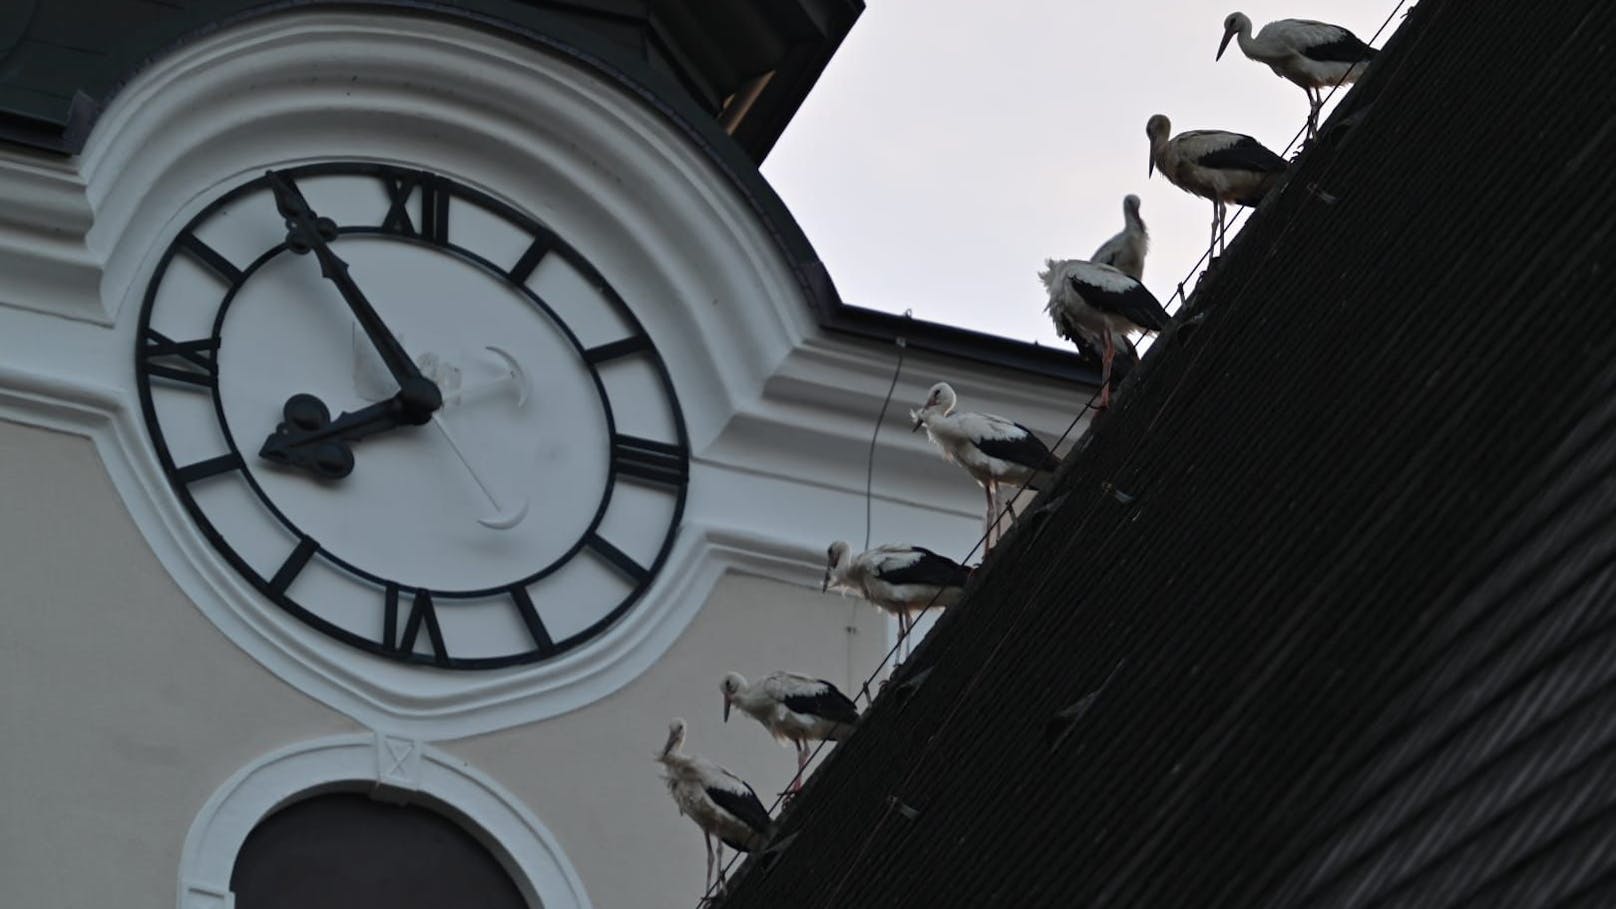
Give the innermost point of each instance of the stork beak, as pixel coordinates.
(825, 587)
(918, 423)
(726, 708)
(1228, 34)
(1151, 170)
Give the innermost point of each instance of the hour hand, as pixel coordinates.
(310, 440)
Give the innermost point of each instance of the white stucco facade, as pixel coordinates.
(157, 707)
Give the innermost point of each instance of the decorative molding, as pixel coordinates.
(398, 763)
(530, 854)
(45, 263)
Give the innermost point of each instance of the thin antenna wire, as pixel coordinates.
(850, 629)
(869, 465)
(868, 835)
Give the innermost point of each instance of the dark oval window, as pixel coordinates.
(347, 851)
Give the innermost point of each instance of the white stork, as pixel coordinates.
(720, 802)
(992, 449)
(896, 578)
(1099, 304)
(794, 708)
(1222, 166)
(1314, 55)
(1126, 250)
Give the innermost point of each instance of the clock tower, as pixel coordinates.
(405, 410)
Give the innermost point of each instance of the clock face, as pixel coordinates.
(411, 415)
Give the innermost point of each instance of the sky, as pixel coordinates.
(952, 145)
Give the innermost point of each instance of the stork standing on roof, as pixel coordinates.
(794, 708)
(1098, 303)
(1213, 164)
(1314, 55)
(993, 450)
(720, 803)
(899, 579)
(1125, 252)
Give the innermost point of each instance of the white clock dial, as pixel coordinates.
(411, 415)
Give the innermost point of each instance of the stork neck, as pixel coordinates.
(752, 700)
(1133, 222)
(1256, 48)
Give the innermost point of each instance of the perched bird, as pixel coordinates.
(1099, 304)
(720, 803)
(1314, 55)
(795, 708)
(993, 450)
(1126, 250)
(1213, 164)
(899, 579)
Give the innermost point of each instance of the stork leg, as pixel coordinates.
(1223, 233)
(707, 838)
(721, 868)
(1105, 372)
(802, 764)
(1315, 102)
(992, 515)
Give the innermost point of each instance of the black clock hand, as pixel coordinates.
(310, 440)
(307, 232)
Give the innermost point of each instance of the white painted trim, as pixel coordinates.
(395, 768)
(779, 415)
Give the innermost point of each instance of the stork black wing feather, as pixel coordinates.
(1136, 304)
(1027, 450)
(1246, 154)
(827, 703)
(1345, 49)
(930, 568)
(745, 806)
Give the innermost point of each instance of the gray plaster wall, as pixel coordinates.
(124, 708)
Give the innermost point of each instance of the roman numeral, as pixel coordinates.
(627, 346)
(210, 257)
(536, 251)
(530, 618)
(434, 194)
(212, 467)
(650, 461)
(422, 612)
(193, 363)
(293, 566)
(617, 558)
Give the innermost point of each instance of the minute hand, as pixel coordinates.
(305, 232)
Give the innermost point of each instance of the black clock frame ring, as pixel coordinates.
(145, 374)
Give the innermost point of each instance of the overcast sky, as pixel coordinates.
(952, 145)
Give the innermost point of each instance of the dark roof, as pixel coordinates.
(731, 73)
(1323, 612)
(746, 63)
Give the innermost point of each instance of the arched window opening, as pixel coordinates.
(347, 851)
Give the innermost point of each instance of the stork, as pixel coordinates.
(1213, 164)
(993, 450)
(794, 708)
(720, 802)
(1126, 250)
(1314, 55)
(1099, 304)
(897, 578)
